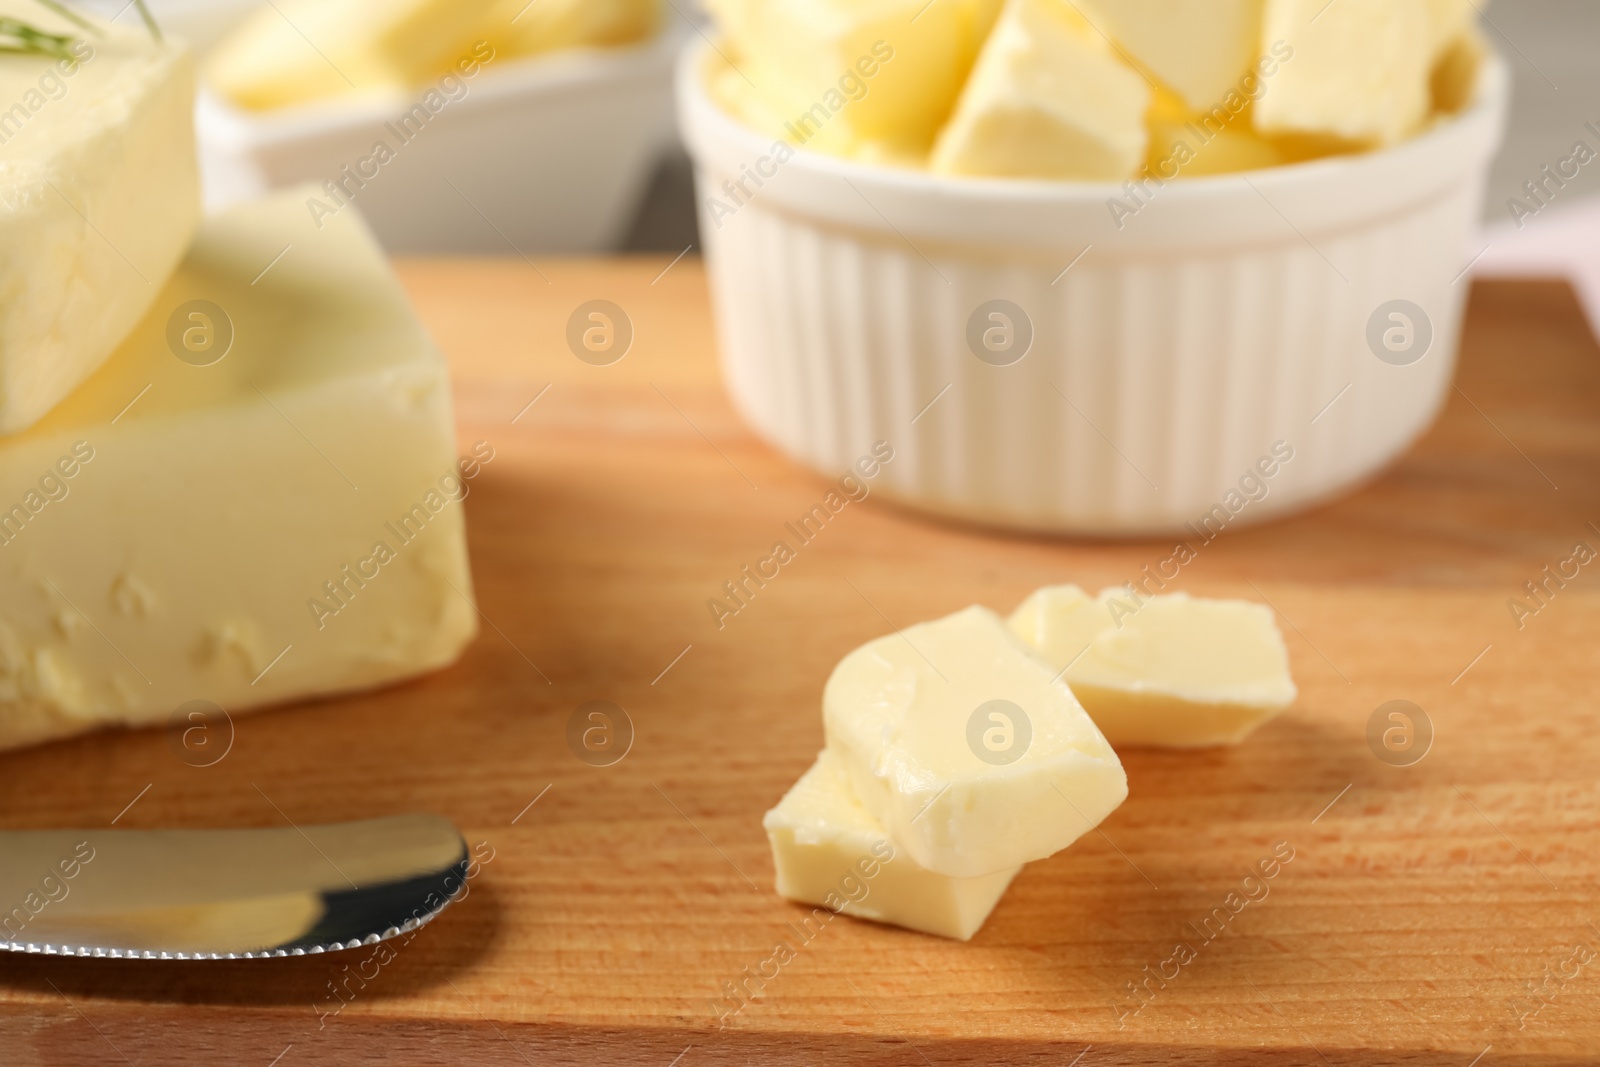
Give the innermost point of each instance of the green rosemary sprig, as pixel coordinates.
(149, 20)
(84, 24)
(20, 38)
(70, 15)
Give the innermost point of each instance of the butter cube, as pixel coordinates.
(1450, 20)
(281, 523)
(1190, 145)
(1170, 671)
(829, 850)
(295, 51)
(843, 72)
(966, 748)
(1048, 98)
(1455, 73)
(99, 196)
(1359, 69)
(1201, 50)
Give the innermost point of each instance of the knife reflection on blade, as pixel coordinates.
(225, 894)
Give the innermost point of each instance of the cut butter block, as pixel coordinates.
(1048, 98)
(1201, 50)
(282, 523)
(1171, 671)
(295, 51)
(830, 851)
(1359, 71)
(99, 196)
(842, 72)
(963, 745)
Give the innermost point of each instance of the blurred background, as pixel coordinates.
(647, 202)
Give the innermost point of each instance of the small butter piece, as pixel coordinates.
(1450, 19)
(1184, 144)
(1359, 71)
(962, 743)
(1048, 98)
(282, 522)
(842, 72)
(1455, 73)
(99, 196)
(829, 850)
(1171, 671)
(1201, 50)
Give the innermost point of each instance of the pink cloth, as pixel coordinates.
(1562, 240)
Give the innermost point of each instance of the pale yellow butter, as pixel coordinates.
(1450, 20)
(961, 742)
(1171, 671)
(1048, 98)
(282, 523)
(1200, 50)
(99, 196)
(520, 28)
(297, 51)
(1184, 144)
(829, 850)
(1359, 70)
(844, 73)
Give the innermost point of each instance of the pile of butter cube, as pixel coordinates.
(960, 749)
(293, 52)
(228, 468)
(1095, 90)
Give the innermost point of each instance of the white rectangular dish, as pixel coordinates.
(547, 154)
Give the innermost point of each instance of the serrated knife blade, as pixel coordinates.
(225, 894)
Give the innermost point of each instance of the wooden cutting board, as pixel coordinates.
(1421, 905)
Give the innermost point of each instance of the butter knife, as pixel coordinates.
(226, 894)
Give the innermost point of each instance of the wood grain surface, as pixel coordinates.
(1424, 908)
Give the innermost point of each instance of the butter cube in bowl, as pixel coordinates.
(455, 125)
(1147, 243)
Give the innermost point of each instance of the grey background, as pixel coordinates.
(1552, 47)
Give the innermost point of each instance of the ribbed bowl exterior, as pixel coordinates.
(1158, 378)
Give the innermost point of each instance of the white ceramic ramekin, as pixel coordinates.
(549, 153)
(1228, 316)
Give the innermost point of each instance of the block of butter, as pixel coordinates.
(1170, 671)
(1201, 50)
(99, 197)
(830, 851)
(256, 499)
(1048, 98)
(845, 72)
(967, 749)
(1359, 71)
